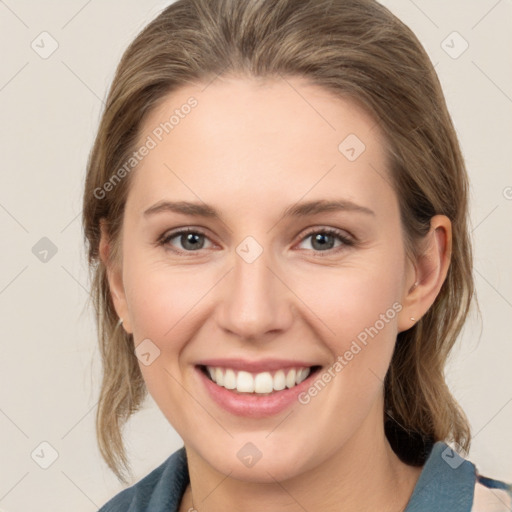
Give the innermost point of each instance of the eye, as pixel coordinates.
(323, 240)
(190, 239)
(193, 240)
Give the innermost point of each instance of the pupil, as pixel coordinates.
(192, 239)
(322, 239)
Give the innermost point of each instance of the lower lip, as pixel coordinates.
(253, 405)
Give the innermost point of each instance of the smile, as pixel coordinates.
(262, 383)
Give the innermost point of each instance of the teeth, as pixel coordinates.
(279, 380)
(290, 378)
(244, 382)
(230, 379)
(262, 383)
(219, 377)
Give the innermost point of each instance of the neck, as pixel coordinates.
(365, 462)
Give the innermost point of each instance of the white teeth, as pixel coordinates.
(219, 376)
(302, 374)
(230, 379)
(290, 378)
(244, 382)
(263, 383)
(279, 380)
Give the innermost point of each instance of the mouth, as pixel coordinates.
(258, 383)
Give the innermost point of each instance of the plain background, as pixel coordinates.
(49, 362)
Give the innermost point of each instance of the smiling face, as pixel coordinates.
(268, 278)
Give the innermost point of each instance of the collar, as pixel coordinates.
(446, 482)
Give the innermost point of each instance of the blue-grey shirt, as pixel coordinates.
(447, 483)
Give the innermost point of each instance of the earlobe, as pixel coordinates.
(114, 277)
(431, 267)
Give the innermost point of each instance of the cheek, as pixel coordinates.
(360, 309)
(159, 297)
(353, 299)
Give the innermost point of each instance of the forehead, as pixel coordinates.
(243, 141)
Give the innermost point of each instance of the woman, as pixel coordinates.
(276, 212)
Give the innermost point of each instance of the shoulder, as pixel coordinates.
(491, 495)
(450, 482)
(159, 491)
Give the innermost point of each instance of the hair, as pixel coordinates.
(358, 50)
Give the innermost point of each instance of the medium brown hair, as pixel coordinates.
(356, 49)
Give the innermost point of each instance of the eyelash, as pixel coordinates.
(164, 240)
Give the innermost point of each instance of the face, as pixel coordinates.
(250, 275)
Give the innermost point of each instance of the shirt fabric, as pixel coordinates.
(447, 482)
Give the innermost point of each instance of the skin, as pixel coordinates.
(250, 149)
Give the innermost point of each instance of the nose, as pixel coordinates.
(255, 301)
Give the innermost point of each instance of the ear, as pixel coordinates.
(427, 273)
(115, 278)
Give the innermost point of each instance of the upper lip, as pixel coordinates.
(262, 365)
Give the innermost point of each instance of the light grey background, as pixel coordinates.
(49, 362)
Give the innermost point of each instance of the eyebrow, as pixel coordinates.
(303, 209)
